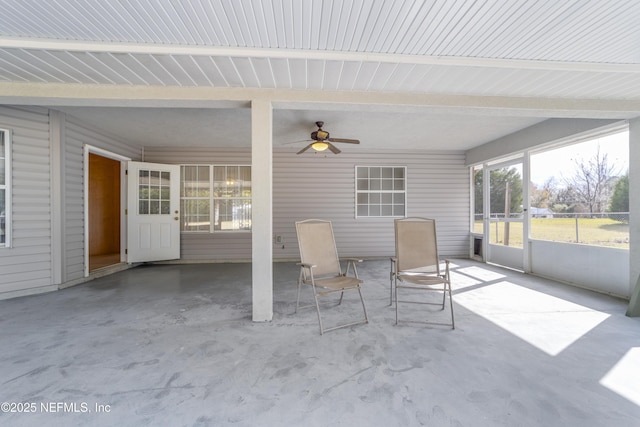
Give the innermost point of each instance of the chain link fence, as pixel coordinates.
(602, 228)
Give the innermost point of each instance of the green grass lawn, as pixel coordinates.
(591, 231)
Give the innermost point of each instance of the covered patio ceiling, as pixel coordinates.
(412, 74)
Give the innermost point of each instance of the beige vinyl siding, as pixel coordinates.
(26, 266)
(76, 136)
(323, 186)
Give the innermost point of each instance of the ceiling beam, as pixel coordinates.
(53, 94)
(307, 54)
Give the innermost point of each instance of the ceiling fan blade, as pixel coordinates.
(297, 142)
(304, 149)
(348, 141)
(333, 148)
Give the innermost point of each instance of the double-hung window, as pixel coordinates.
(381, 191)
(5, 188)
(215, 198)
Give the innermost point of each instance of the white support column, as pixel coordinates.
(526, 201)
(634, 217)
(262, 209)
(58, 238)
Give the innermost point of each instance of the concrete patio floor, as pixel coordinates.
(175, 345)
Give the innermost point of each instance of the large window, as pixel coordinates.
(579, 193)
(381, 191)
(215, 198)
(5, 188)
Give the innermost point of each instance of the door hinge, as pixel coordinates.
(126, 171)
(126, 211)
(126, 251)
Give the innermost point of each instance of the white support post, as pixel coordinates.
(634, 217)
(261, 209)
(58, 238)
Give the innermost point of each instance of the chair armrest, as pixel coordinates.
(306, 265)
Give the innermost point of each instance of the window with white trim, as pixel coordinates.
(215, 198)
(5, 188)
(381, 191)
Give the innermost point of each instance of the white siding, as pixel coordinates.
(77, 135)
(593, 267)
(315, 186)
(26, 266)
(319, 186)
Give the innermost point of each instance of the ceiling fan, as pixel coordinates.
(322, 141)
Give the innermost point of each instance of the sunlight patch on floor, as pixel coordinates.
(624, 377)
(481, 273)
(550, 324)
(467, 277)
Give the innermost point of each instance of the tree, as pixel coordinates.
(477, 191)
(501, 181)
(544, 197)
(620, 198)
(592, 181)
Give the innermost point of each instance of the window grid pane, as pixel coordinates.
(154, 196)
(195, 198)
(380, 191)
(218, 200)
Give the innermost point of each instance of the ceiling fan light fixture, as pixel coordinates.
(320, 146)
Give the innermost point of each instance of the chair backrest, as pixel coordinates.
(317, 246)
(416, 245)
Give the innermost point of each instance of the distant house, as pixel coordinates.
(541, 213)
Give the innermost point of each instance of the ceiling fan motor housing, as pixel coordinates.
(319, 135)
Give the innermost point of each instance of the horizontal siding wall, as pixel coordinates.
(26, 266)
(76, 136)
(322, 186)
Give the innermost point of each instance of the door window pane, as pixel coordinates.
(154, 195)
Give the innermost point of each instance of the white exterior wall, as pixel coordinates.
(26, 267)
(592, 267)
(323, 186)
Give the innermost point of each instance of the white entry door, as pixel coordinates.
(153, 220)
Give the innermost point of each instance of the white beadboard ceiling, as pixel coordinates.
(406, 71)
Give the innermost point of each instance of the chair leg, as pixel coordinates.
(453, 324)
(391, 277)
(299, 284)
(395, 287)
(315, 297)
(390, 287)
(341, 295)
(364, 308)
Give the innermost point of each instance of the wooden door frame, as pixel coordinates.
(89, 149)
